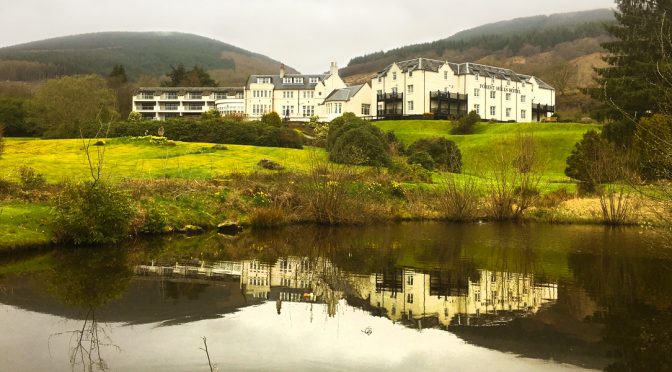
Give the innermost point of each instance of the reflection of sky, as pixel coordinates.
(257, 338)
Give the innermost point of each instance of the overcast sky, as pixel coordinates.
(304, 34)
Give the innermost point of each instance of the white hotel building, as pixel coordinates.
(450, 90)
(403, 89)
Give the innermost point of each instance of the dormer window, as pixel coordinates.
(287, 80)
(313, 80)
(298, 80)
(265, 80)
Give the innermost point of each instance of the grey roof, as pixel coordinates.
(276, 80)
(343, 94)
(425, 64)
(467, 68)
(191, 89)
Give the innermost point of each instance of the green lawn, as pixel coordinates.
(556, 139)
(61, 160)
(24, 224)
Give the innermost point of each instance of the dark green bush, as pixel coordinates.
(272, 118)
(30, 179)
(590, 159)
(466, 124)
(93, 213)
(423, 159)
(402, 171)
(352, 140)
(219, 130)
(445, 153)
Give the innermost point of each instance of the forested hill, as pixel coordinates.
(141, 53)
(530, 42)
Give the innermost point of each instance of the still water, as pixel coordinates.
(416, 296)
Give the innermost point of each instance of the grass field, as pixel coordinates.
(556, 140)
(63, 160)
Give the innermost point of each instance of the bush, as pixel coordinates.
(220, 130)
(269, 164)
(423, 159)
(653, 143)
(272, 119)
(135, 116)
(445, 153)
(30, 179)
(466, 124)
(352, 140)
(93, 213)
(590, 159)
(402, 171)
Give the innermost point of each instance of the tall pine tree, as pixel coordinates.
(630, 87)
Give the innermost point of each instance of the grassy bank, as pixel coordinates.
(197, 184)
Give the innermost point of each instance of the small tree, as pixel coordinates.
(213, 113)
(583, 162)
(134, 116)
(272, 118)
(445, 153)
(466, 124)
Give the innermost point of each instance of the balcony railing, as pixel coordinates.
(391, 97)
(543, 108)
(441, 95)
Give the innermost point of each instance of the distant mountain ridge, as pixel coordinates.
(141, 53)
(526, 44)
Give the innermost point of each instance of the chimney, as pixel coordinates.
(282, 70)
(333, 70)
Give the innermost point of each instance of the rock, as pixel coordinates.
(229, 228)
(269, 164)
(191, 230)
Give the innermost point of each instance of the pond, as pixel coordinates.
(410, 296)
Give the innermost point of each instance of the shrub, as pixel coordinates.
(591, 160)
(269, 164)
(423, 159)
(402, 171)
(93, 213)
(459, 198)
(29, 179)
(359, 146)
(212, 113)
(445, 153)
(135, 116)
(155, 220)
(466, 124)
(653, 143)
(272, 119)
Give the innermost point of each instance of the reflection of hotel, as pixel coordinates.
(457, 300)
(416, 298)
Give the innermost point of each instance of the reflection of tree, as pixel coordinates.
(88, 280)
(636, 294)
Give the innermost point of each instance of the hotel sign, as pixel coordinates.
(501, 89)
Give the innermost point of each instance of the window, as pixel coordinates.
(394, 90)
(287, 80)
(380, 92)
(171, 106)
(308, 94)
(394, 76)
(366, 109)
(147, 96)
(147, 106)
(523, 99)
(410, 89)
(508, 96)
(508, 112)
(264, 80)
(477, 296)
(195, 95)
(409, 298)
(313, 80)
(410, 105)
(493, 110)
(410, 74)
(339, 108)
(476, 76)
(493, 94)
(508, 81)
(171, 95)
(220, 95)
(380, 79)
(308, 111)
(445, 75)
(287, 111)
(298, 80)
(288, 94)
(409, 280)
(523, 114)
(477, 92)
(477, 108)
(195, 107)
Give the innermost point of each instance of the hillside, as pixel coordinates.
(141, 53)
(539, 45)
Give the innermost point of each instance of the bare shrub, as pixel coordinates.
(459, 198)
(326, 193)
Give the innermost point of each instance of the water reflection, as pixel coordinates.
(467, 297)
(584, 296)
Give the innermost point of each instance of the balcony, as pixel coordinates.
(539, 108)
(447, 96)
(146, 108)
(390, 97)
